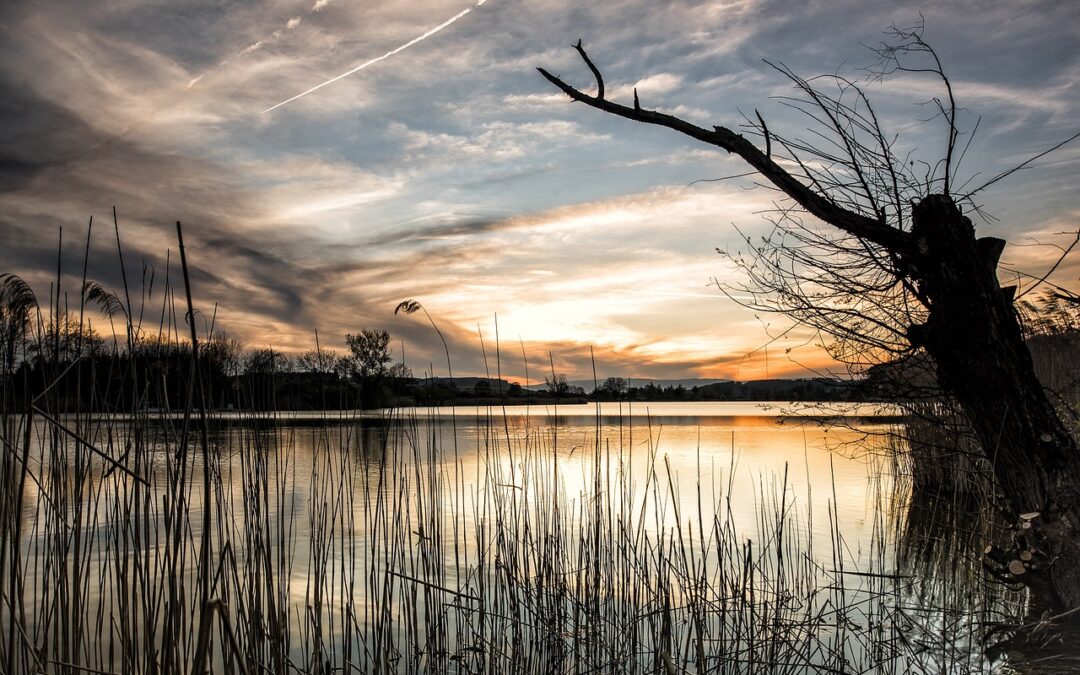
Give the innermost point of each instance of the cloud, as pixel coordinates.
(370, 62)
(652, 86)
(61, 171)
(490, 142)
(454, 174)
(545, 101)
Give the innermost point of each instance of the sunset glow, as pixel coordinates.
(329, 159)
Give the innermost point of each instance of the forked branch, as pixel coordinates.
(595, 72)
(872, 229)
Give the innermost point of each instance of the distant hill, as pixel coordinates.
(808, 389)
(468, 384)
(649, 389)
(588, 385)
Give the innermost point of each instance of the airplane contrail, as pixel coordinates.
(387, 55)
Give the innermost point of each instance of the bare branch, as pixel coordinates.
(596, 73)
(1020, 166)
(765, 132)
(1053, 267)
(908, 41)
(870, 228)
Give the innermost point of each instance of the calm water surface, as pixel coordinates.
(331, 510)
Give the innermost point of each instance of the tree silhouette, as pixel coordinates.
(557, 385)
(897, 269)
(322, 361)
(369, 353)
(613, 387)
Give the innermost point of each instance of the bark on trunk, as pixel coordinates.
(982, 360)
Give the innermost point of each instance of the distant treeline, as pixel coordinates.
(67, 365)
(157, 376)
(70, 367)
(815, 389)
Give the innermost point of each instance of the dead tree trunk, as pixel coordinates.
(981, 359)
(972, 334)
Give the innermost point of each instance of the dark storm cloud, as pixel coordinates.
(56, 170)
(441, 231)
(36, 134)
(272, 272)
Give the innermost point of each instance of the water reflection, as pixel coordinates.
(438, 539)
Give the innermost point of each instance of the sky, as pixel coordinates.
(443, 168)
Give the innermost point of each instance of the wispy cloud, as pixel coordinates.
(459, 177)
(396, 50)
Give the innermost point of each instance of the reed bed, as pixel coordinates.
(180, 539)
(395, 544)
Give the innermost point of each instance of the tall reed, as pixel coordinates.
(180, 539)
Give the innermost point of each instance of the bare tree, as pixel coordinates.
(266, 362)
(321, 361)
(614, 387)
(557, 385)
(890, 265)
(369, 353)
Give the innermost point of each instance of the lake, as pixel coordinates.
(618, 538)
